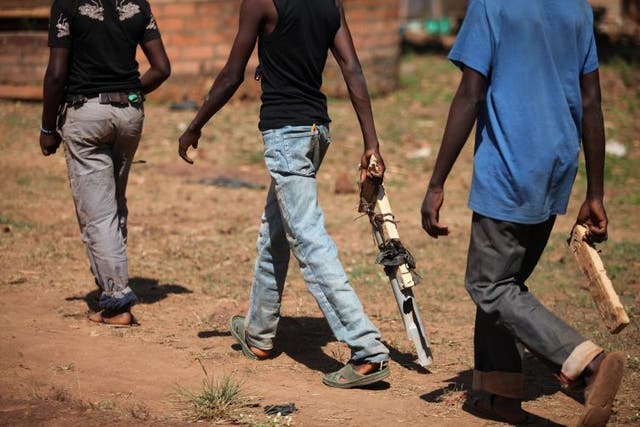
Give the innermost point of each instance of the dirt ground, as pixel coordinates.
(191, 251)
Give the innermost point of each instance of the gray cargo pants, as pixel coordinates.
(100, 141)
(501, 257)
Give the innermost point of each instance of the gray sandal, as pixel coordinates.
(348, 377)
(236, 326)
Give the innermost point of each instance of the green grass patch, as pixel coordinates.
(255, 157)
(23, 180)
(426, 80)
(102, 405)
(620, 171)
(619, 259)
(558, 270)
(627, 200)
(624, 69)
(217, 400)
(396, 183)
(366, 273)
(18, 225)
(18, 120)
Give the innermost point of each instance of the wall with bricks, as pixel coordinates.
(23, 60)
(198, 35)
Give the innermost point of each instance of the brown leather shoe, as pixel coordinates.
(120, 319)
(601, 390)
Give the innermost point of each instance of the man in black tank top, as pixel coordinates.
(294, 38)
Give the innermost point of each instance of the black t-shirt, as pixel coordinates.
(102, 36)
(292, 59)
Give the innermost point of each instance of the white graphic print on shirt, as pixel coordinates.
(152, 24)
(93, 10)
(62, 26)
(126, 10)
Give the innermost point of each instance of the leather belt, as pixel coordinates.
(113, 98)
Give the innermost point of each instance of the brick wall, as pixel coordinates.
(374, 25)
(198, 35)
(23, 60)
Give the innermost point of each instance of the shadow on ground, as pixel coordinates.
(539, 382)
(406, 359)
(302, 339)
(149, 291)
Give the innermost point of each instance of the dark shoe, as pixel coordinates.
(602, 387)
(509, 411)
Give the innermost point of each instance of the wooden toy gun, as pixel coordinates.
(397, 261)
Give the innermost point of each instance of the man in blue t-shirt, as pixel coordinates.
(530, 80)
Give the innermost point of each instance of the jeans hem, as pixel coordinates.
(252, 343)
(371, 359)
(579, 358)
(123, 303)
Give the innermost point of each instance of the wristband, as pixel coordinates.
(47, 131)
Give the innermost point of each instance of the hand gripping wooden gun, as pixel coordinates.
(397, 261)
(600, 287)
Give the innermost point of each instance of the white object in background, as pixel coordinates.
(615, 148)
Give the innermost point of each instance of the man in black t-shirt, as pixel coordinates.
(294, 38)
(93, 96)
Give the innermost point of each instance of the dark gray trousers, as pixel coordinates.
(502, 256)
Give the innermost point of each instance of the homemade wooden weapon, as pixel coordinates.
(600, 286)
(397, 261)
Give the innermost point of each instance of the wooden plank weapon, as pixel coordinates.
(397, 261)
(604, 295)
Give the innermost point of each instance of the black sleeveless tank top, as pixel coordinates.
(292, 58)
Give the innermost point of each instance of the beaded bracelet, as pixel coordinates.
(47, 131)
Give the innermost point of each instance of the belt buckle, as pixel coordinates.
(76, 101)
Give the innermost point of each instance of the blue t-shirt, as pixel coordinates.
(528, 132)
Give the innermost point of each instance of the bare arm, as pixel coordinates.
(462, 116)
(159, 69)
(345, 54)
(252, 16)
(55, 79)
(592, 212)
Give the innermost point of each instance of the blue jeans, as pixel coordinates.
(293, 221)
